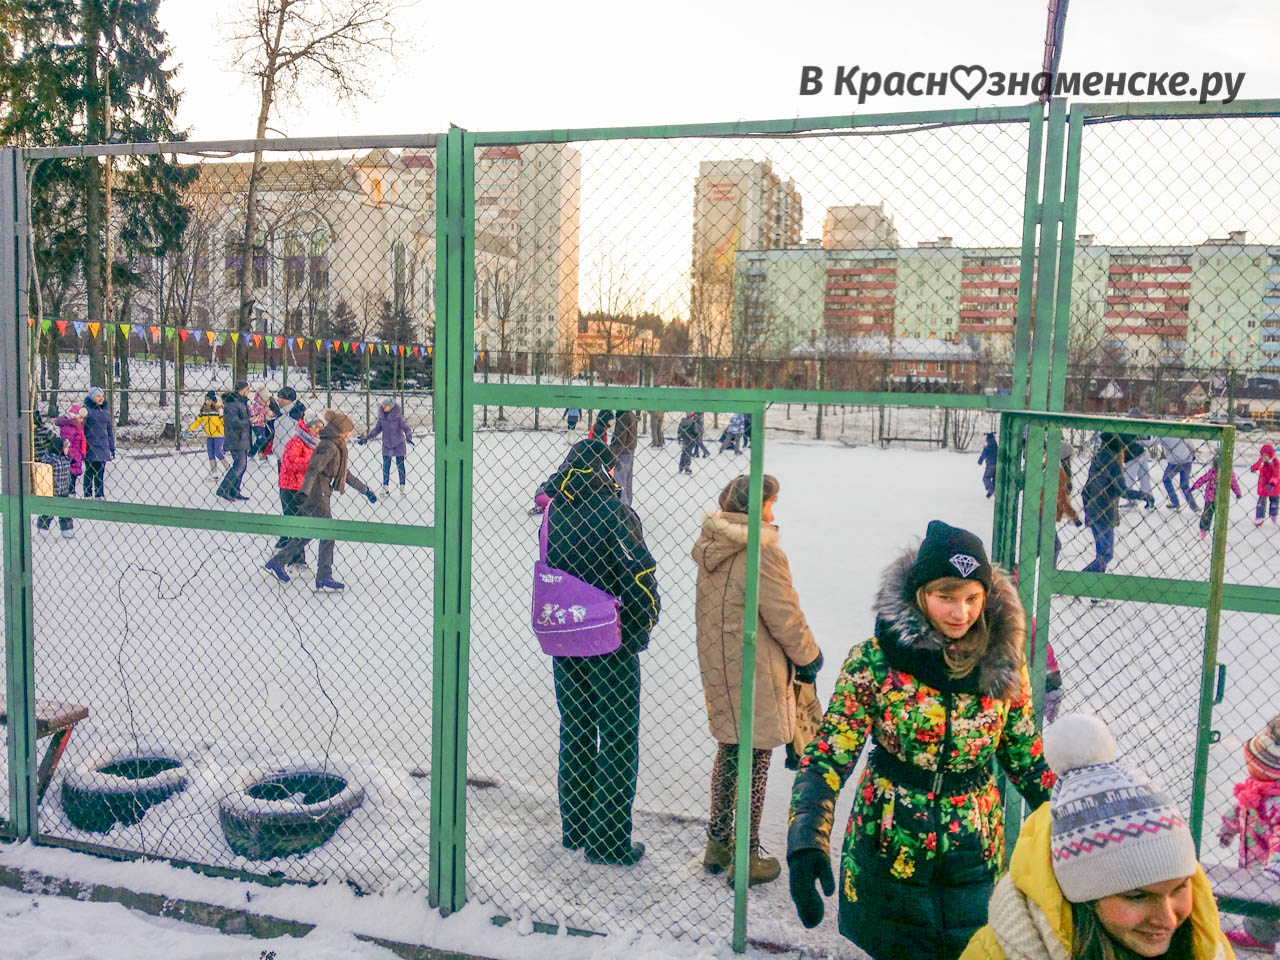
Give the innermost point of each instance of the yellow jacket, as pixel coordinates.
(212, 423)
(1028, 919)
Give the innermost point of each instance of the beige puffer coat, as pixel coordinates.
(783, 638)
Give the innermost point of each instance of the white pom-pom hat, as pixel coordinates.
(1113, 829)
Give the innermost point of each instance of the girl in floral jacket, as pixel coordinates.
(1256, 822)
(942, 689)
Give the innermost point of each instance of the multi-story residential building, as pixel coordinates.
(738, 205)
(1210, 305)
(861, 226)
(528, 197)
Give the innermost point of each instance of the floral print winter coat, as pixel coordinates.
(909, 839)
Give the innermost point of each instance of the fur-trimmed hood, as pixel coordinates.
(724, 535)
(911, 644)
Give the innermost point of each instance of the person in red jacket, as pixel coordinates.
(293, 467)
(1267, 468)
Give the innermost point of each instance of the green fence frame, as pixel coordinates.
(1055, 139)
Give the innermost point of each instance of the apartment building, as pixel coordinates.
(739, 205)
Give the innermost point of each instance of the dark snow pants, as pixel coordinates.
(290, 503)
(386, 469)
(1104, 538)
(295, 549)
(1263, 508)
(599, 701)
(989, 480)
(95, 473)
(230, 485)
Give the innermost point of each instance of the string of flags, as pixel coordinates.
(217, 337)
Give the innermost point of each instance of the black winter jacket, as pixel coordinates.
(235, 421)
(1103, 488)
(593, 535)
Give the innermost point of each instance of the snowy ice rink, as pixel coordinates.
(179, 637)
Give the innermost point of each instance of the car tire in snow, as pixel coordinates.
(119, 784)
(283, 813)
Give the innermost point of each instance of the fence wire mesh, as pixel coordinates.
(881, 259)
(885, 258)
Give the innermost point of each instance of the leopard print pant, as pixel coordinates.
(724, 792)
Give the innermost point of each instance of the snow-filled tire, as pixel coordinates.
(284, 813)
(118, 784)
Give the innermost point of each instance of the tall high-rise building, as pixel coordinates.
(738, 205)
(527, 201)
(859, 227)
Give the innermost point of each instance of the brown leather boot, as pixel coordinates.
(759, 869)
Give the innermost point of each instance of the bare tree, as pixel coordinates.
(287, 46)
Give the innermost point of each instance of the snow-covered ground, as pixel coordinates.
(178, 636)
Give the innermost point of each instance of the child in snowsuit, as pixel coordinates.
(100, 442)
(211, 420)
(988, 457)
(733, 434)
(395, 435)
(1267, 467)
(688, 434)
(1210, 483)
(259, 413)
(55, 456)
(572, 415)
(295, 456)
(1256, 821)
(71, 427)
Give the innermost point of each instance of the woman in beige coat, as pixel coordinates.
(785, 652)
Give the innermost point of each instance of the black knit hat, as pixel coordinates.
(287, 393)
(948, 551)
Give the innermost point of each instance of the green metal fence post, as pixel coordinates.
(451, 387)
(1066, 263)
(742, 813)
(1026, 272)
(1213, 614)
(14, 414)
(1046, 270)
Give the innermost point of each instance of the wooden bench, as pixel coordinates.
(1250, 892)
(56, 720)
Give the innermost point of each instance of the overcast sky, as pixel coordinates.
(522, 65)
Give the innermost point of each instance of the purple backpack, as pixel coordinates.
(570, 617)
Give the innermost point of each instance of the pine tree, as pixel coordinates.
(344, 365)
(75, 69)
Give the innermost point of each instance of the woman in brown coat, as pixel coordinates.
(785, 652)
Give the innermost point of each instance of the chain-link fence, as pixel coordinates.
(876, 290)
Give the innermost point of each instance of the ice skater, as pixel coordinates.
(1178, 458)
(1137, 469)
(71, 427)
(1267, 467)
(571, 415)
(688, 433)
(732, 436)
(1210, 483)
(236, 433)
(294, 460)
(396, 438)
(259, 413)
(626, 434)
(1101, 494)
(326, 472)
(210, 419)
(100, 443)
(990, 451)
(1256, 821)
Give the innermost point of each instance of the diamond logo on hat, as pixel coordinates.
(964, 563)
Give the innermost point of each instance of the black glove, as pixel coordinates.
(805, 867)
(809, 672)
(1079, 523)
(409, 442)
(371, 496)
(360, 442)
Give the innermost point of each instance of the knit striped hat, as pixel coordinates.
(1113, 829)
(1262, 753)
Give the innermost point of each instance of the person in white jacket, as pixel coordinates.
(1178, 460)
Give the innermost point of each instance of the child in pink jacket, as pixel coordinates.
(71, 426)
(1210, 483)
(1256, 821)
(1267, 467)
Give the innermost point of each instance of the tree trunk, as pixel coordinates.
(655, 428)
(244, 315)
(122, 348)
(93, 199)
